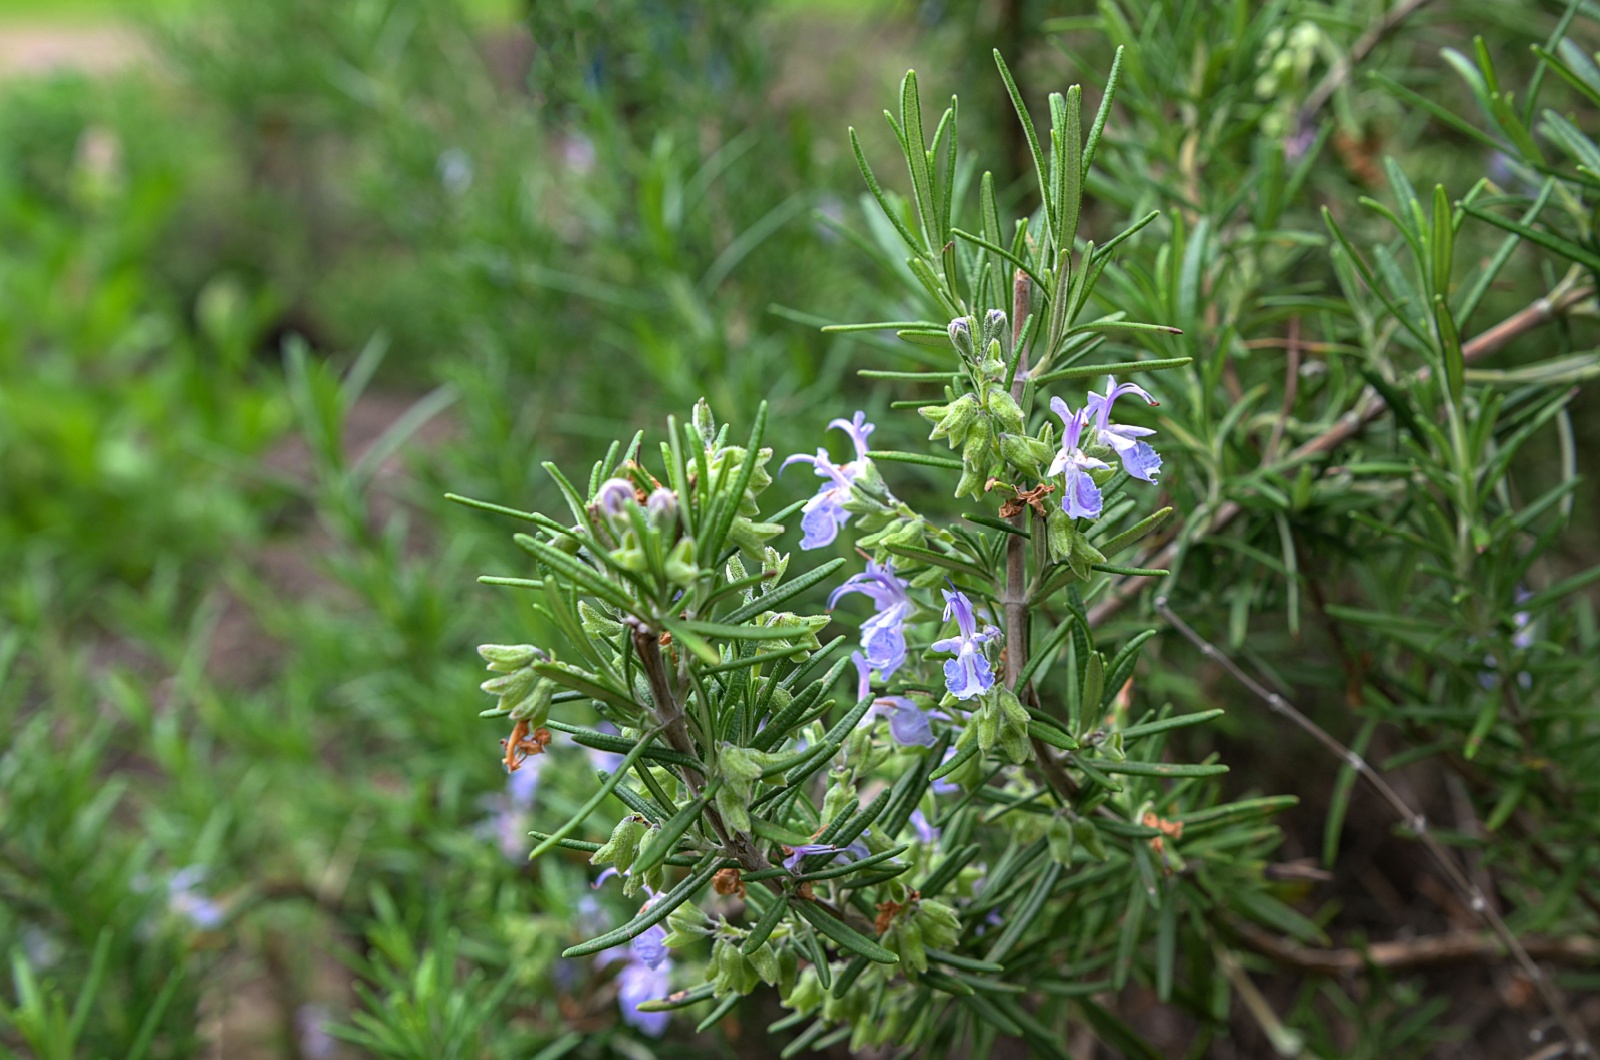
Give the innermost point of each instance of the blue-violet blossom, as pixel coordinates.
(1081, 498)
(824, 513)
(639, 982)
(907, 723)
(968, 674)
(1138, 459)
(883, 636)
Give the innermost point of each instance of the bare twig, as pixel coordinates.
(1453, 947)
(1413, 820)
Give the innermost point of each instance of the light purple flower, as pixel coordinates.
(651, 946)
(1523, 638)
(507, 823)
(883, 636)
(311, 1028)
(968, 674)
(639, 982)
(1081, 498)
(907, 723)
(925, 831)
(824, 513)
(187, 901)
(798, 854)
(1138, 459)
(523, 785)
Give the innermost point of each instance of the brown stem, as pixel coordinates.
(670, 715)
(1449, 948)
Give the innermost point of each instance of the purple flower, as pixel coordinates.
(883, 636)
(824, 513)
(1523, 638)
(311, 1028)
(186, 900)
(907, 723)
(523, 785)
(507, 823)
(968, 674)
(639, 982)
(925, 831)
(1081, 498)
(1138, 459)
(797, 854)
(651, 946)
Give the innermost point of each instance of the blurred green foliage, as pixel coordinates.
(241, 768)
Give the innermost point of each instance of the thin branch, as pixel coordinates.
(1453, 947)
(1412, 819)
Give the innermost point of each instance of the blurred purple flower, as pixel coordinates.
(311, 1028)
(1081, 498)
(508, 820)
(639, 982)
(925, 831)
(185, 899)
(824, 513)
(943, 785)
(1524, 637)
(968, 674)
(883, 636)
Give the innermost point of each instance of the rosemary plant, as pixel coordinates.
(985, 821)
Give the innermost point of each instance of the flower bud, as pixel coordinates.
(1059, 836)
(613, 497)
(705, 423)
(765, 962)
(1088, 837)
(1027, 455)
(504, 658)
(662, 507)
(1013, 726)
(987, 721)
(950, 421)
(1006, 412)
(994, 326)
(681, 567)
(623, 846)
(961, 336)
